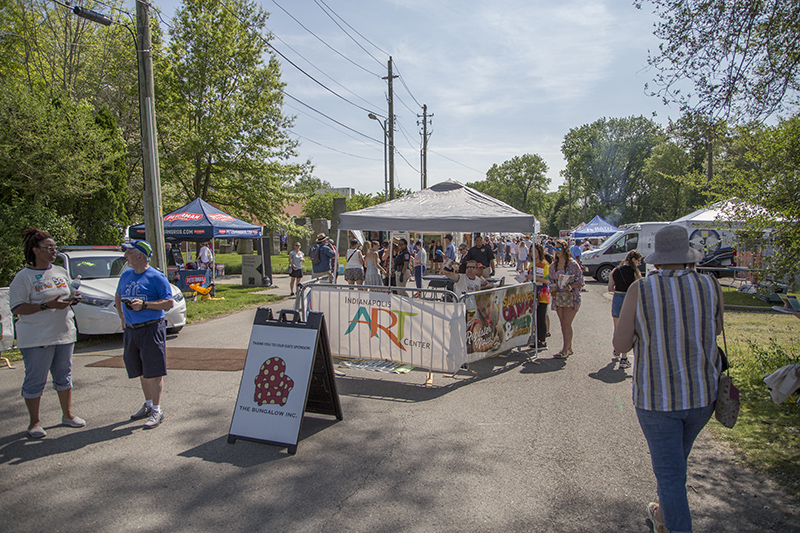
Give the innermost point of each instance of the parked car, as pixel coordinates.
(99, 269)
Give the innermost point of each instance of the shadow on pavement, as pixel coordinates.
(241, 453)
(611, 374)
(18, 448)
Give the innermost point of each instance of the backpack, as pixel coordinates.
(314, 254)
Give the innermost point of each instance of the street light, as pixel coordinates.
(385, 156)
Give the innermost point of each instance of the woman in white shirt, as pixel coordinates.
(354, 269)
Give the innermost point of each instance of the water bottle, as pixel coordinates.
(74, 285)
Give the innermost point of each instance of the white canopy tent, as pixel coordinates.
(448, 205)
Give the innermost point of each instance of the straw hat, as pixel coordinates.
(322, 237)
(672, 247)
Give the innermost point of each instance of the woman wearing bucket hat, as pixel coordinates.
(671, 320)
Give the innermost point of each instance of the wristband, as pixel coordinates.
(144, 306)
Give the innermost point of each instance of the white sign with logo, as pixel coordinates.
(379, 325)
(274, 386)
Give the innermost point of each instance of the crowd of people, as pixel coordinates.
(676, 365)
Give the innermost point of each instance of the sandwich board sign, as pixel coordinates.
(288, 372)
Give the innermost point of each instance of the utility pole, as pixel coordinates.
(153, 218)
(424, 155)
(390, 131)
(569, 227)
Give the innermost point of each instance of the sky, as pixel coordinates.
(501, 79)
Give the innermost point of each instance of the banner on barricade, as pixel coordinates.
(498, 320)
(379, 325)
(6, 322)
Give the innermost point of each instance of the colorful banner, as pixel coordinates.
(6, 322)
(378, 325)
(498, 320)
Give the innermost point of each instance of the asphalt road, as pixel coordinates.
(549, 446)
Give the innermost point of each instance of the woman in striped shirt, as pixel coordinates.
(671, 320)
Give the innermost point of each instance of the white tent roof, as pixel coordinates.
(446, 206)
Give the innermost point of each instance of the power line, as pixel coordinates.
(312, 117)
(457, 162)
(312, 78)
(352, 28)
(346, 33)
(320, 70)
(331, 118)
(336, 150)
(403, 81)
(323, 42)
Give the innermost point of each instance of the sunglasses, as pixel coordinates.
(472, 268)
(48, 248)
(559, 249)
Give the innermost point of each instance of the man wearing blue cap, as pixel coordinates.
(143, 294)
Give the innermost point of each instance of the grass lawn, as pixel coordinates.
(734, 297)
(280, 263)
(766, 436)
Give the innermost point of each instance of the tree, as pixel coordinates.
(224, 136)
(42, 164)
(521, 182)
(768, 181)
(741, 57)
(321, 205)
(308, 185)
(605, 161)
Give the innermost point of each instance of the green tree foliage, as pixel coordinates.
(521, 182)
(768, 180)
(224, 137)
(16, 215)
(306, 185)
(58, 154)
(605, 162)
(739, 56)
(321, 205)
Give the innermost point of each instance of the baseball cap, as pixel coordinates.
(142, 246)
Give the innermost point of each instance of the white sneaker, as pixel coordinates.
(155, 419)
(75, 422)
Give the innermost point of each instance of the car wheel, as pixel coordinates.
(603, 273)
(174, 331)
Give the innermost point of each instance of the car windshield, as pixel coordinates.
(97, 267)
(608, 242)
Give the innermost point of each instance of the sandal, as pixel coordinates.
(658, 526)
(560, 355)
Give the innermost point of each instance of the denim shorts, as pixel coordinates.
(39, 360)
(616, 303)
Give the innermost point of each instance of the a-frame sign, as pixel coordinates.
(288, 372)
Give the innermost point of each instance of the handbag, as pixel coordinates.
(564, 299)
(726, 408)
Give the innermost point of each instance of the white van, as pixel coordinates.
(601, 261)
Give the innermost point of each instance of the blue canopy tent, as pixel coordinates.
(597, 227)
(201, 221)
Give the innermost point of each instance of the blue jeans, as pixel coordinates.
(418, 273)
(56, 359)
(670, 436)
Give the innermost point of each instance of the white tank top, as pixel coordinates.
(352, 259)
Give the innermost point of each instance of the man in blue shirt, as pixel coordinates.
(575, 250)
(449, 248)
(143, 294)
(322, 259)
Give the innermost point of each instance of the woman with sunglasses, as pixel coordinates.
(40, 296)
(566, 281)
(295, 268)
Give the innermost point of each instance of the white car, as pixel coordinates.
(99, 269)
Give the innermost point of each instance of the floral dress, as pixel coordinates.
(573, 269)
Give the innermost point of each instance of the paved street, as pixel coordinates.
(552, 446)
